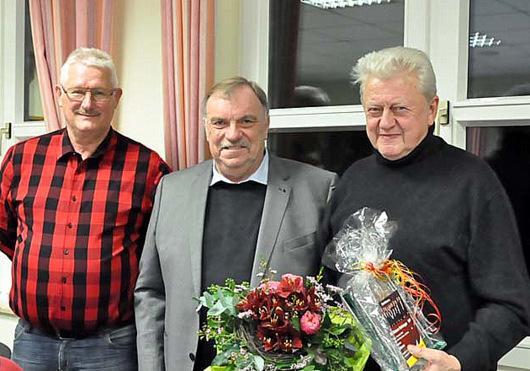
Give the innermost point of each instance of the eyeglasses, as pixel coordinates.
(79, 94)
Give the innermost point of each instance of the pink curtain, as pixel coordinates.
(188, 58)
(58, 28)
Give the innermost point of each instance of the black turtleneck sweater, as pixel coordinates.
(457, 230)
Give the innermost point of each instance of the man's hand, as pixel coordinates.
(438, 360)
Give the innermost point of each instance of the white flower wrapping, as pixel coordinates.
(382, 294)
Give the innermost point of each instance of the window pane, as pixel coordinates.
(330, 150)
(32, 101)
(500, 67)
(315, 47)
(507, 150)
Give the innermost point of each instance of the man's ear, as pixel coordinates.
(206, 129)
(433, 109)
(58, 94)
(117, 94)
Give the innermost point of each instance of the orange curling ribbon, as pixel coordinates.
(403, 276)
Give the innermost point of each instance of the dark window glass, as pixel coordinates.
(507, 150)
(330, 150)
(317, 48)
(498, 63)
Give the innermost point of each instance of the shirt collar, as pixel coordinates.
(67, 147)
(261, 175)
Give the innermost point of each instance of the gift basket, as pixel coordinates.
(383, 295)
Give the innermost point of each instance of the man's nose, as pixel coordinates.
(387, 118)
(87, 101)
(233, 131)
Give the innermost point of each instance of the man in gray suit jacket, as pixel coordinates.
(221, 219)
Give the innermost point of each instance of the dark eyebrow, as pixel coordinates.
(250, 117)
(212, 119)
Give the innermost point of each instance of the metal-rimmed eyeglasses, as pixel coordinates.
(98, 95)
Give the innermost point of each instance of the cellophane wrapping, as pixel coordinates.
(388, 314)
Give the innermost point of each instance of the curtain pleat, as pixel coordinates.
(58, 28)
(187, 48)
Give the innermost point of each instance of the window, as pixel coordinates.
(499, 48)
(312, 50)
(333, 150)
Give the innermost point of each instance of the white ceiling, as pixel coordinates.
(331, 41)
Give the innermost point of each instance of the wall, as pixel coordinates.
(226, 38)
(138, 57)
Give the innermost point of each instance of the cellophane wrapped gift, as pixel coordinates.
(381, 293)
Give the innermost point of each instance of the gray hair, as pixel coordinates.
(226, 87)
(91, 57)
(392, 62)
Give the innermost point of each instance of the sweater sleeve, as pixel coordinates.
(499, 281)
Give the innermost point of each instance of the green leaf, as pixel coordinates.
(336, 331)
(208, 300)
(217, 309)
(259, 363)
(350, 346)
(296, 323)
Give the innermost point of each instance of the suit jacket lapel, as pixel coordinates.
(197, 209)
(276, 199)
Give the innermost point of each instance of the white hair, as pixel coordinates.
(91, 57)
(392, 62)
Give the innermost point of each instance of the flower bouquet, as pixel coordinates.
(383, 294)
(290, 324)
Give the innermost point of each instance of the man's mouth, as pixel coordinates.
(233, 147)
(87, 114)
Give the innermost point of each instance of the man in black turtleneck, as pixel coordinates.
(456, 228)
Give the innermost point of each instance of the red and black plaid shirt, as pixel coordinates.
(74, 228)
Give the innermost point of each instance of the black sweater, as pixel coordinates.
(457, 230)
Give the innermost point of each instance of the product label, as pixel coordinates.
(402, 324)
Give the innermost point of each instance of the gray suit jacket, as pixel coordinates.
(170, 266)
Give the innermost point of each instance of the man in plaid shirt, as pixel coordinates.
(74, 208)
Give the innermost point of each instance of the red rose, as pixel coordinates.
(310, 322)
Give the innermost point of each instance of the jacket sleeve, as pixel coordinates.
(150, 299)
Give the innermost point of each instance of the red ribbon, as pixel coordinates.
(404, 277)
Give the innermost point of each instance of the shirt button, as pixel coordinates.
(64, 279)
(192, 357)
(69, 225)
(74, 198)
(63, 308)
(66, 252)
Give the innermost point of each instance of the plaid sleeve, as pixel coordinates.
(8, 221)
